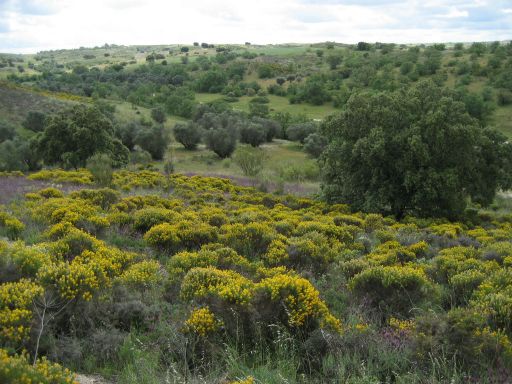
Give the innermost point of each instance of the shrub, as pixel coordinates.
(189, 135)
(393, 290)
(299, 299)
(153, 139)
(313, 250)
(158, 115)
(221, 141)
(100, 166)
(11, 225)
(314, 144)
(146, 218)
(17, 369)
(253, 134)
(7, 131)
(143, 274)
(183, 235)
(204, 283)
(34, 121)
(202, 322)
(249, 240)
(299, 132)
(494, 297)
(250, 160)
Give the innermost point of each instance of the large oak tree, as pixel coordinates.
(412, 151)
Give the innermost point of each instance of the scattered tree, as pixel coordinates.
(416, 152)
(158, 115)
(315, 144)
(74, 135)
(153, 139)
(189, 135)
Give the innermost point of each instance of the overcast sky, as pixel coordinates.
(34, 25)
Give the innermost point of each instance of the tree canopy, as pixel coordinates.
(74, 135)
(412, 151)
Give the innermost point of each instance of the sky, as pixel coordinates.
(29, 26)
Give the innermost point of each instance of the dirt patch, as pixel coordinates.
(88, 379)
(14, 187)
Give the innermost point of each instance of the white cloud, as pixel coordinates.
(454, 13)
(35, 25)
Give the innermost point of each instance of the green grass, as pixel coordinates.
(277, 104)
(285, 165)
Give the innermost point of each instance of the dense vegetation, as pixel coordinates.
(398, 270)
(180, 278)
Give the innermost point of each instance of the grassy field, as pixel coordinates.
(285, 167)
(276, 104)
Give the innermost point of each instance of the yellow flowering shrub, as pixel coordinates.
(16, 302)
(464, 283)
(202, 322)
(449, 230)
(11, 225)
(73, 279)
(16, 369)
(481, 235)
(229, 286)
(27, 259)
(342, 220)
(104, 197)
(300, 298)
(144, 273)
(127, 180)
(394, 289)
(182, 235)
(392, 253)
(277, 251)
(79, 212)
(145, 218)
(494, 298)
(82, 176)
(249, 240)
(452, 261)
(213, 255)
(401, 325)
(48, 193)
(11, 174)
(313, 250)
(342, 234)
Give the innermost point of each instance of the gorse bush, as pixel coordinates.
(184, 270)
(16, 369)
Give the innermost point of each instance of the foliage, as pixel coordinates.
(299, 132)
(74, 135)
(250, 160)
(153, 139)
(100, 166)
(253, 134)
(35, 121)
(17, 369)
(314, 144)
(187, 134)
(393, 156)
(222, 141)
